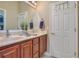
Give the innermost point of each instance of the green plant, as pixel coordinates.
(24, 25)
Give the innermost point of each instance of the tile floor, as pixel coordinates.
(46, 56)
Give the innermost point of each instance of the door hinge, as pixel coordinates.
(75, 29)
(75, 5)
(74, 53)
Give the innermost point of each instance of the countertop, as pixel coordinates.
(10, 40)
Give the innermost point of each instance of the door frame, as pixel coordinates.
(77, 22)
(76, 53)
(4, 18)
(77, 43)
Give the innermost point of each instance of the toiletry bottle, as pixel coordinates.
(31, 24)
(42, 25)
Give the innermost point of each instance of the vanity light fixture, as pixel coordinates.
(32, 3)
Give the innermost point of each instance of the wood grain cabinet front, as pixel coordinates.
(35, 47)
(43, 44)
(26, 49)
(0, 55)
(36, 55)
(11, 52)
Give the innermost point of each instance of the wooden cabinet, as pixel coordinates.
(0, 56)
(36, 55)
(43, 44)
(35, 47)
(26, 49)
(11, 52)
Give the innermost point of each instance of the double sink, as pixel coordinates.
(17, 36)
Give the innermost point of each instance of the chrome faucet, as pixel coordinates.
(7, 33)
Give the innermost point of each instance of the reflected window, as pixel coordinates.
(2, 17)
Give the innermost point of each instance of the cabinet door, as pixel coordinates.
(43, 44)
(11, 52)
(35, 47)
(26, 49)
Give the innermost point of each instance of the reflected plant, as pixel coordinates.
(24, 25)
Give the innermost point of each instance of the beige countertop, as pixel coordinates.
(11, 40)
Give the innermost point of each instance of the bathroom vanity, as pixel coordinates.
(24, 47)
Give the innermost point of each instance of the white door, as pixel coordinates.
(62, 33)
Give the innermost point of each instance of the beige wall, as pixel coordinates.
(11, 13)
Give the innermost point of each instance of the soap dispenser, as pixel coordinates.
(42, 25)
(31, 24)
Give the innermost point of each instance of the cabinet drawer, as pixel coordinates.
(36, 55)
(10, 52)
(35, 41)
(35, 48)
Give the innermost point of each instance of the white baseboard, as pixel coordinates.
(48, 54)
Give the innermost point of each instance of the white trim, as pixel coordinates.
(49, 47)
(4, 18)
(47, 54)
(76, 29)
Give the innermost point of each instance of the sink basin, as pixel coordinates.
(16, 36)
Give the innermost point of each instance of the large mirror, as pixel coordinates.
(18, 15)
